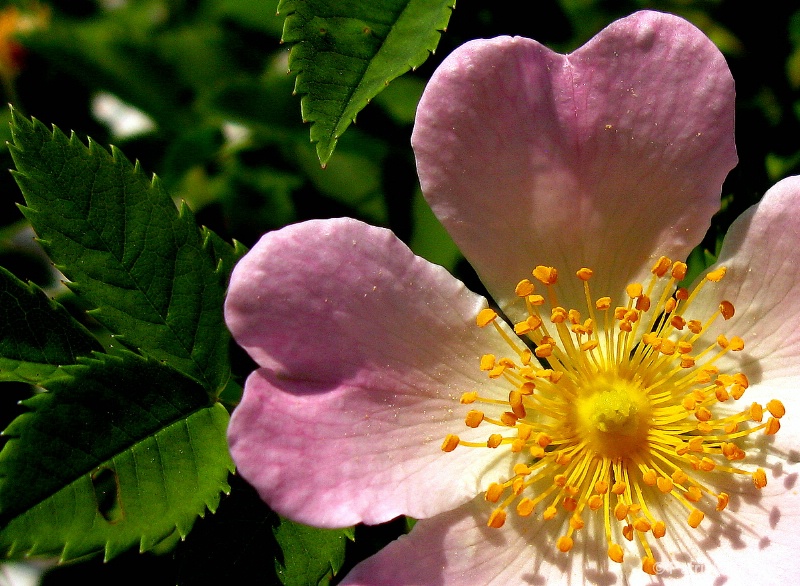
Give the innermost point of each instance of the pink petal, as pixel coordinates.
(762, 254)
(365, 351)
(606, 158)
(458, 549)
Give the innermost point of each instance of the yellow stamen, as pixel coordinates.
(613, 408)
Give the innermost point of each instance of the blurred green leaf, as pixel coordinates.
(121, 450)
(126, 249)
(311, 556)
(346, 52)
(36, 334)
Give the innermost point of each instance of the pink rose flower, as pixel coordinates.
(618, 429)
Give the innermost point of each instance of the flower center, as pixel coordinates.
(615, 412)
(613, 417)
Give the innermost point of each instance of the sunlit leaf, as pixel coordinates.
(347, 51)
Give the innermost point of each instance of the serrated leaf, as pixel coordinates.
(36, 334)
(311, 556)
(122, 450)
(346, 52)
(117, 236)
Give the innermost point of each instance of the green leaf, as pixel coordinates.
(347, 51)
(122, 450)
(154, 278)
(36, 334)
(311, 556)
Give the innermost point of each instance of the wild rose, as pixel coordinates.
(618, 426)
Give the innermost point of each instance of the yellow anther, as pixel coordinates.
(695, 517)
(634, 290)
(759, 478)
(543, 439)
(536, 300)
(450, 442)
(736, 344)
(560, 480)
(726, 309)
(702, 414)
(515, 400)
(664, 484)
(524, 431)
(494, 440)
(693, 494)
(707, 464)
(487, 361)
(508, 418)
(530, 324)
(469, 397)
(737, 391)
(689, 403)
(641, 524)
(562, 458)
(576, 522)
(677, 322)
(679, 270)
(615, 553)
(558, 315)
(473, 418)
(547, 275)
(574, 316)
(524, 288)
(704, 427)
(741, 379)
(543, 350)
(527, 388)
(627, 532)
(721, 394)
(595, 502)
(549, 513)
(696, 444)
(603, 303)
(722, 501)
(649, 477)
(722, 341)
(497, 371)
(494, 492)
(564, 543)
(485, 317)
(694, 326)
(756, 412)
(649, 565)
(517, 445)
(601, 487)
(621, 511)
(661, 266)
(619, 312)
(670, 305)
(589, 345)
(659, 529)
(521, 469)
(584, 274)
(525, 507)
(776, 408)
(667, 347)
(684, 347)
(773, 426)
(536, 451)
(497, 519)
(716, 275)
(679, 476)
